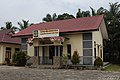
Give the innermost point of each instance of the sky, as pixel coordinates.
(34, 10)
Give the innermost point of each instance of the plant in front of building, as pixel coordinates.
(7, 60)
(98, 62)
(64, 60)
(75, 58)
(19, 58)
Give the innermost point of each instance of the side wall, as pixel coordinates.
(98, 39)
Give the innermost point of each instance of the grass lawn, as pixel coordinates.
(113, 67)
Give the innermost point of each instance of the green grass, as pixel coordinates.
(112, 67)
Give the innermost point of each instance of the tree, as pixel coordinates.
(65, 16)
(54, 17)
(79, 13)
(49, 18)
(82, 14)
(112, 19)
(93, 11)
(8, 25)
(85, 13)
(100, 11)
(19, 58)
(24, 24)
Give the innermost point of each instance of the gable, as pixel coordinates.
(103, 30)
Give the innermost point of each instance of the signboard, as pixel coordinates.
(46, 33)
(49, 33)
(35, 33)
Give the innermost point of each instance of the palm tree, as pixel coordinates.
(8, 25)
(24, 24)
(113, 25)
(49, 18)
(79, 13)
(100, 11)
(82, 13)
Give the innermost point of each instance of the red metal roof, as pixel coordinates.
(70, 25)
(5, 37)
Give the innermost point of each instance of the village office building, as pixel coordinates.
(52, 39)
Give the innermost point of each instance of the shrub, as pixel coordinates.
(98, 62)
(7, 61)
(75, 58)
(64, 58)
(19, 58)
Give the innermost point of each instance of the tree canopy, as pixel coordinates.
(24, 24)
(56, 17)
(8, 25)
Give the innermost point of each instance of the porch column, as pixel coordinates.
(55, 51)
(59, 51)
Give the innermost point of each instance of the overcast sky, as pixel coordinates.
(35, 10)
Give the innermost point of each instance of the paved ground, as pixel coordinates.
(18, 73)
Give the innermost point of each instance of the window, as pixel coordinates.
(87, 44)
(95, 49)
(95, 52)
(98, 50)
(87, 52)
(69, 50)
(17, 49)
(87, 48)
(87, 60)
(87, 36)
(24, 40)
(8, 53)
(101, 53)
(24, 45)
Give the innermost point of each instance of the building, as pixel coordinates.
(8, 45)
(48, 41)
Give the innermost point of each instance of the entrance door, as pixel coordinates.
(8, 53)
(51, 52)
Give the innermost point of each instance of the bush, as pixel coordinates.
(75, 58)
(19, 58)
(64, 58)
(98, 62)
(7, 61)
